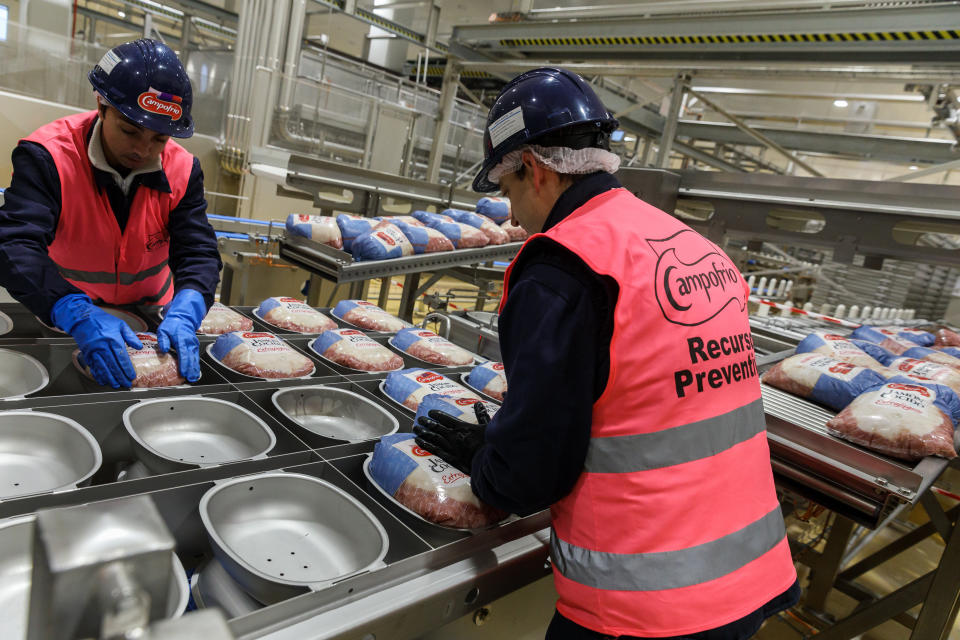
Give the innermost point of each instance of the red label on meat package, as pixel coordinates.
(910, 387)
(466, 402)
(426, 334)
(498, 366)
(386, 238)
(833, 336)
(257, 335)
(350, 332)
(417, 451)
(429, 376)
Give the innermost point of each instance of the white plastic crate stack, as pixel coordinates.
(888, 287)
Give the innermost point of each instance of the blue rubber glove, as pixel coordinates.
(181, 320)
(102, 339)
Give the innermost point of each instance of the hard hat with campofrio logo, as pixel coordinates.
(548, 107)
(145, 81)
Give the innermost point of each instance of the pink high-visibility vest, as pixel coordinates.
(673, 526)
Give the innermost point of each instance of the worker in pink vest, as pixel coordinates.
(633, 409)
(104, 208)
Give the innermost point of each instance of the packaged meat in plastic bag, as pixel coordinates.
(423, 238)
(260, 355)
(409, 387)
(821, 378)
(154, 369)
(515, 232)
(367, 315)
(940, 356)
(293, 315)
(222, 319)
(427, 346)
(839, 348)
(902, 417)
(495, 235)
(352, 227)
(947, 338)
(497, 209)
(462, 235)
(352, 349)
(428, 486)
(322, 229)
(950, 351)
(926, 369)
(459, 408)
(382, 242)
(489, 378)
(896, 340)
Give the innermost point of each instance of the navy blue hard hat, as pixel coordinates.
(145, 81)
(546, 106)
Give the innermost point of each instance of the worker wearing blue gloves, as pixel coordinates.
(104, 208)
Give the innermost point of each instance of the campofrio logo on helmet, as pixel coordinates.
(694, 280)
(161, 103)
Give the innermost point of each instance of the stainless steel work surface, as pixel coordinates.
(334, 413)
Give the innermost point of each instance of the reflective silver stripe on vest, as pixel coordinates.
(106, 277)
(159, 295)
(668, 569)
(694, 441)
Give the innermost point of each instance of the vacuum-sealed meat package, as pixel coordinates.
(293, 315)
(427, 485)
(940, 356)
(460, 408)
(902, 417)
(896, 340)
(222, 319)
(352, 227)
(462, 235)
(495, 235)
(260, 355)
(352, 349)
(410, 386)
(382, 242)
(322, 229)
(367, 315)
(423, 238)
(822, 379)
(489, 378)
(154, 369)
(946, 338)
(515, 232)
(927, 370)
(497, 209)
(839, 348)
(427, 346)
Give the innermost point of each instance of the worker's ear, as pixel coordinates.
(101, 109)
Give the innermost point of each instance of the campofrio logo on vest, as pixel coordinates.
(694, 280)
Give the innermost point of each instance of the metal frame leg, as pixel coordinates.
(824, 573)
(943, 598)
(410, 284)
(384, 295)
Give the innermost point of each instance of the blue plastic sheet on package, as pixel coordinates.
(406, 337)
(389, 467)
(325, 340)
(465, 217)
(482, 374)
(497, 209)
(383, 243)
(399, 387)
(877, 335)
(921, 353)
(419, 237)
(352, 227)
(875, 351)
(225, 344)
(950, 351)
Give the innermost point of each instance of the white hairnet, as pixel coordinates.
(559, 159)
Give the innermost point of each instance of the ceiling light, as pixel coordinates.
(121, 14)
(913, 167)
(840, 102)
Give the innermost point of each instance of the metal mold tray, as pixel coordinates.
(212, 586)
(175, 434)
(857, 482)
(334, 413)
(16, 567)
(281, 534)
(43, 452)
(20, 375)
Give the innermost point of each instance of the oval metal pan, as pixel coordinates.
(20, 375)
(187, 432)
(350, 428)
(333, 362)
(43, 453)
(274, 533)
(6, 324)
(256, 314)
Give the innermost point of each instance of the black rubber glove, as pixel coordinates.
(454, 440)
